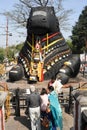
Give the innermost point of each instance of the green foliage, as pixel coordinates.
(2, 54)
(11, 52)
(71, 46)
(79, 33)
(19, 46)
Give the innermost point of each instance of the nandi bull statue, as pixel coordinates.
(45, 53)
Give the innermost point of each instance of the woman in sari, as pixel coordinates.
(55, 109)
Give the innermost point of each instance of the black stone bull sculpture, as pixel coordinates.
(45, 53)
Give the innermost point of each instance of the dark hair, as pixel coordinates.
(50, 82)
(50, 88)
(43, 91)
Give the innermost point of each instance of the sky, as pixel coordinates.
(7, 5)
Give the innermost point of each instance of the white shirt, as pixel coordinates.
(57, 86)
(44, 102)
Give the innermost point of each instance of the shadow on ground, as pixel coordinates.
(26, 122)
(23, 120)
(71, 128)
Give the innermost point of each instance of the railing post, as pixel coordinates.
(70, 98)
(17, 109)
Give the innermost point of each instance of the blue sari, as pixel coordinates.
(56, 109)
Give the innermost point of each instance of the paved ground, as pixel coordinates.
(22, 122)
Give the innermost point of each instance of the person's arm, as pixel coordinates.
(40, 99)
(66, 85)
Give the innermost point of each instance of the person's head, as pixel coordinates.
(50, 89)
(43, 91)
(51, 81)
(32, 88)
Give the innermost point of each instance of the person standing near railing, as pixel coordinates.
(55, 108)
(33, 103)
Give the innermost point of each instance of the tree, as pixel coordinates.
(13, 50)
(19, 46)
(79, 33)
(2, 54)
(21, 12)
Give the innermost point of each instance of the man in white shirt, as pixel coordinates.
(58, 85)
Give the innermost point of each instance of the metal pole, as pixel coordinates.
(7, 37)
